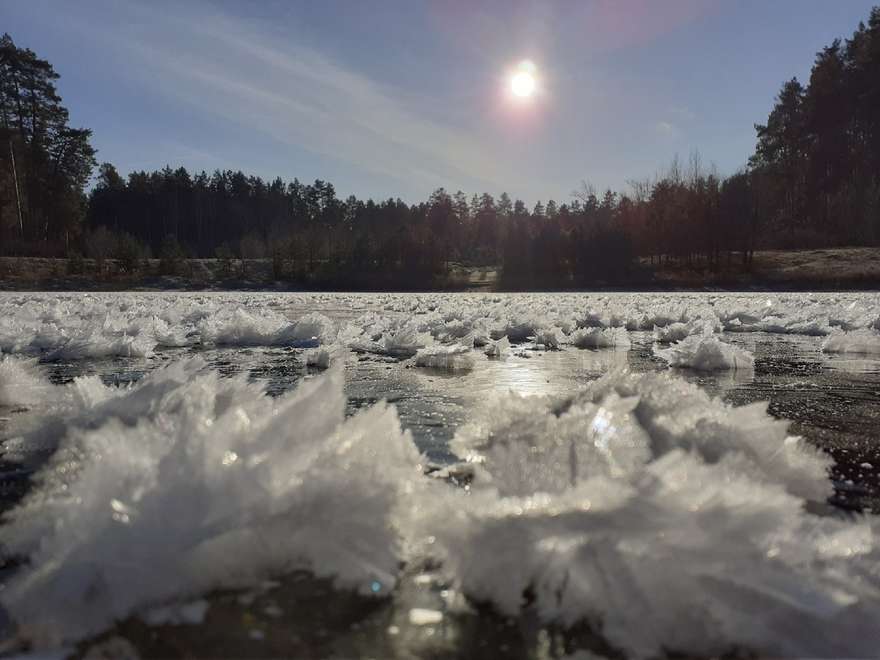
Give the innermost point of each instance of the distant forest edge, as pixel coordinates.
(813, 182)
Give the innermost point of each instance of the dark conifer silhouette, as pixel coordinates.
(44, 163)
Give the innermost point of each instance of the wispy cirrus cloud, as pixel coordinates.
(294, 94)
(386, 99)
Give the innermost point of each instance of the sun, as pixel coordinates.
(522, 84)
(523, 80)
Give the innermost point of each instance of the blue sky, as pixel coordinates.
(398, 98)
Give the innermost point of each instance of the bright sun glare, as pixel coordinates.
(522, 81)
(522, 84)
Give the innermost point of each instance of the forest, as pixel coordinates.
(813, 181)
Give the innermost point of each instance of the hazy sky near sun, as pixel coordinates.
(396, 98)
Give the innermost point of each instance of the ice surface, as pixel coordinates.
(706, 353)
(865, 341)
(668, 520)
(212, 484)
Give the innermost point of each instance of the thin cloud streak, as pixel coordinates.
(301, 98)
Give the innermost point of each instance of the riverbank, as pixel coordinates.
(796, 270)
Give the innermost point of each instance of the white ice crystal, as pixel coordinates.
(547, 338)
(72, 326)
(214, 484)
(323, 356)
(706, 353)
(600, 338)
(866, 342)
(21, 384)
(497, 348)
(453, 358)
(135, 325)
(667, 520)
(678, 331)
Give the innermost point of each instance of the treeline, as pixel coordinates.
(311, 234)
(308, 232)
(44, 163)
(818, 156)
(814, 181)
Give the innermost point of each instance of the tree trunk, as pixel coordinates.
(17, 190)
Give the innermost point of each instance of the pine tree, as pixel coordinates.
(48, 162)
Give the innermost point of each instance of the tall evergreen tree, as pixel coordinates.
(45, 163)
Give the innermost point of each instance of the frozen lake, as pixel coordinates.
(586, 490)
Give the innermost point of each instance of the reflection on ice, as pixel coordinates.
(729, 379)
(851, 364)
(545, 373)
